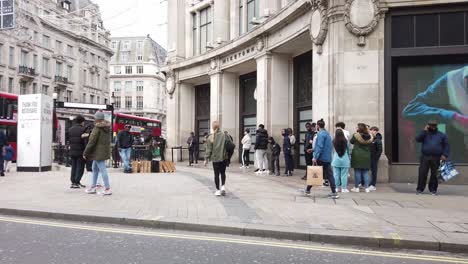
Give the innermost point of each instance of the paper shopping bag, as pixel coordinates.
(315, 175)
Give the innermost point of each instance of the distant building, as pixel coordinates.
(136, 80)
(58, 46)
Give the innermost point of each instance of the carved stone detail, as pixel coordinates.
(362, 31)
(319, 15)
(170, 83)
(260, 43)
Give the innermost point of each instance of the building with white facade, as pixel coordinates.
(137, 84)
(284, 63)
(56, 46)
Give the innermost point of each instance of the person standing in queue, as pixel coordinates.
(124, 146)
(308, 149)
(217, 154)
(192, 143)
(77, 146)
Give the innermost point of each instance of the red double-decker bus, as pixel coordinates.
(139, 124)
(9, 117)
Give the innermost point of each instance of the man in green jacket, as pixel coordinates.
(216, 153)
(98, 150)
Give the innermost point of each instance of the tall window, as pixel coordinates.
(194, 33)
(1, 82)
(124, 56)
(241, 17)
(1, 53)
(69, 96)
(91, 98)
(45, 66)
(58, 69)
(69, 50)
(23, 88)
(10, 85)
(58, 46)
(128, 102)
(117, 86)
(11, 56)
(117, 102)
(24, 58)
(140, 46)
(98, 100)
(46, 41)
(128, 86)
(139, 57)
(85, 77)
(205, 28)
(36, 63)
(128, 69)
(139, 69)
(252, 11)
(83, 99)
(34, 88)
(113, 44)
(117, 70)
(139, 102)
(69, 72)
(139, 86)
(126, 45)
(45, 89)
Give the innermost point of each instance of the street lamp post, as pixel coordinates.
(54, 124)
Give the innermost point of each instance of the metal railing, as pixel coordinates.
(26, 70)
(61, 79)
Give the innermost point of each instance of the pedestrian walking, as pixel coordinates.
(342, 125)
(308, 145)
(287, 152)
(77, 146)
(261, 145)
(275, 154)
(323, 157)
(435, 147)
(376, 152)
(246, 144)
(124, 144)
(3, 143)
(341, 161)
(98, 150)
(8, 157)
(192, 143)
(292, 140)
(361, 156)
(217, 154)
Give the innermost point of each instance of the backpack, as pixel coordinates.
(229, 147)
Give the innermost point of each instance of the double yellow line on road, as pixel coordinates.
(429, 258)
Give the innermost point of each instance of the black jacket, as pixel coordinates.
(434, 144)
(275, 149)
(261, 140)
(308, 137)
(124, 139)
(376, 147)
(77, 143)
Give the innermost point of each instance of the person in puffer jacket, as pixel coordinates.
(361, 156)
(261, 146)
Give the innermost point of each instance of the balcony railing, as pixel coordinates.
(60, 79)
(27, 71)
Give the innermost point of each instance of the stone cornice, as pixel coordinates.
(272, 24)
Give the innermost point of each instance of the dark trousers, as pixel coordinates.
(163, 151)
(77, 169)
(219, 169)
(288, 160)
(191, 156)
(428, 163)
(246, 157)
(327, 174)
(2, 169)
(195, 155)
(374, 170)
(274, 162)
(308, 160)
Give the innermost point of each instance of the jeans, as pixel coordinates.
(428, 163)
(262, 160)
(359, 175)
(100, 166)
(289, 163)
(125, 156)
(341, 176)
(219, 168)
(374, 170)
(245, 157)
(274, 162)
(1, 162)
(191, 156)
(327, 174)
(77, 169)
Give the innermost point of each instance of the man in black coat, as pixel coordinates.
(376, 152)
(77, 146)
(261, 146)
(308, 145)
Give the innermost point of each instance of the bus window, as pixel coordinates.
(11, 135)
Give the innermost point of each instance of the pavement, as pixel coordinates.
(255, 205)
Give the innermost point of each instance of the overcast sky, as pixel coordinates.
(135, 18)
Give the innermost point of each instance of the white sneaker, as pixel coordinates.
(247, 167)
(223, 190)
(90, 191)
(259, 172)
(372, 188)
(355, 189)
(217, 193)
(367, 190)
(106, 192)
(241, 167)
(344, 190)
(360, 185)
(266, 171)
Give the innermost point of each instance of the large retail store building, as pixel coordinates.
(394, 64)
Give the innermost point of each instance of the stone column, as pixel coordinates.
(263, 92)
(229, 104)
(280, 97)
(216, 96)
(221, 27)
(176, 29)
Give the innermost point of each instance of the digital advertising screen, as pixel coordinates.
(432, 92)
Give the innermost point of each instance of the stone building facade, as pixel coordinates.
(136, 81)
(56, 46)
(284, 63)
